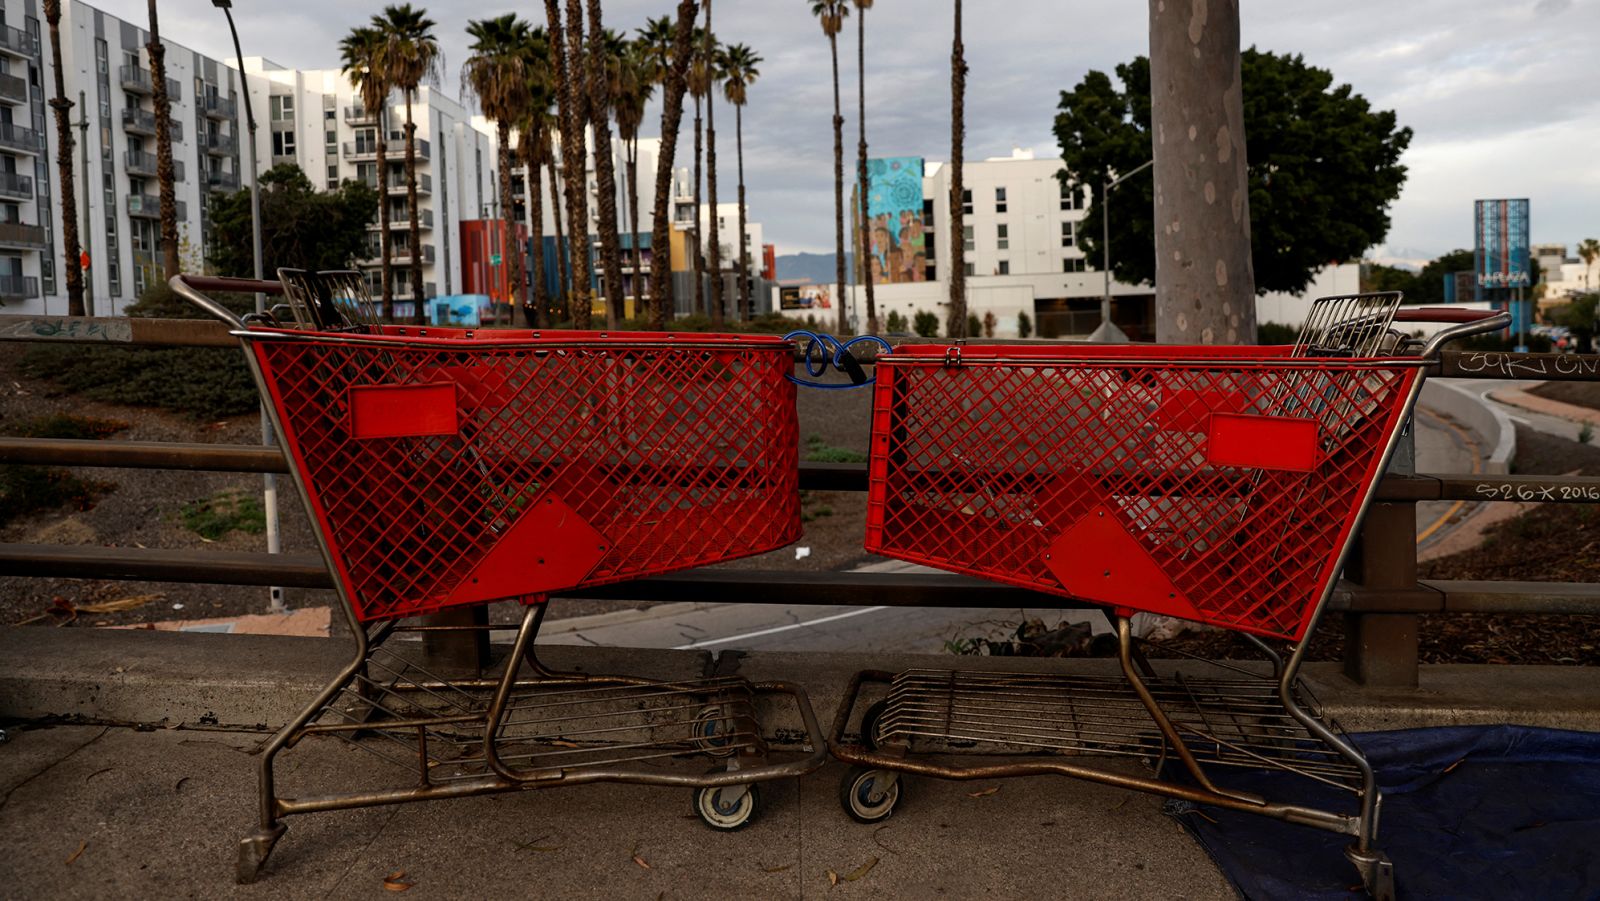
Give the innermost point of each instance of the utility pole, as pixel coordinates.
(1108, 333)
(86, 243)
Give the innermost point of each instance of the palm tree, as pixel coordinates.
(673, 77)
(361, 55)
(164, 169)
(70, 250)
(605, 48)
(634, 85)
(1589, 251)
(957, 326)
(496, 73)
(739, 71)
(865, 251)
(411, 56)
(713, 57)
(832, 13)
(533, 141)
(698, 81)
(566, 52)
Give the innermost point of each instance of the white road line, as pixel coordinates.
(776, 629)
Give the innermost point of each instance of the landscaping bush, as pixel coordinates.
(1024, 326)
(32, 489)
(926, 324)
(224, 512)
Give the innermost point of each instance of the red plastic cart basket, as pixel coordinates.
(1218, 484)
(447, 466)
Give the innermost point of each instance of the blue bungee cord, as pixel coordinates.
(817, 359)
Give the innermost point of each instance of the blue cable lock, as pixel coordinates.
(818, 361)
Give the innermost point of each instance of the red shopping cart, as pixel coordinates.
(1216, 484)
(448, 468)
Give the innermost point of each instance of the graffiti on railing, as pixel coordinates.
(1523, 366)
(67, 328)
(1534, 491)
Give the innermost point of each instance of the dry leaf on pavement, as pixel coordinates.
(81, 845)
(394, 882)
(862, 870)
(983, 793)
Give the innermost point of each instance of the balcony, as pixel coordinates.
(13, 89)
(17, 235)
(397, 184)
(146, 206)
(220, 108)
(137, 80)
(360, 115)
(221, 145)
(143, 122)
(402, 291)
(402, 221)
(395, 150)
(17, 139)
(16, 42)
(140, 163)
(227, 182)
(18, 287)
(17, 186)
(401, 256)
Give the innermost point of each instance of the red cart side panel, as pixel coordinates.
(1215, 484)
(446, 467)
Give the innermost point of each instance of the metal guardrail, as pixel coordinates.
(1380, 599)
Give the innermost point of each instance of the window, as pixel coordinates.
(1073, 264)
(930, 273)
(283, 143)
(1005, 268)
(999, 200)
(331, 138)
(968, 238)
(327, 115)
(1069, 234)
(1069, 196)
(1003, 238)
(281, 107)
(966, 201)
(927, 213)
(971, 269)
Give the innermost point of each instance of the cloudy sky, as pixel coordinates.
(1501, 93)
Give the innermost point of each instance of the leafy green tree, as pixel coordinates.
(301, 228)
(1323, 167)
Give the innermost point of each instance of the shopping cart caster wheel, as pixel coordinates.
(723, 811)
(869, 796)
(872, 724)
(713, 732)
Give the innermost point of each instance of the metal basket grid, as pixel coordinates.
(1214, 484)
(457, 470)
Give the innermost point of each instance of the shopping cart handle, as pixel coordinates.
(1466, 324)
(1442, 314)
(191, 288)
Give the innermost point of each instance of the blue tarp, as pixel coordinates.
(1468, 812)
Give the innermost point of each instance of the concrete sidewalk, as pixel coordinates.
(156, 811)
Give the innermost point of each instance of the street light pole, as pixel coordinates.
(1108, 333)
(270, 491)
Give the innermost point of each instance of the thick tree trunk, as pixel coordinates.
(558, 184)
(71, 253)
(604, 170)
(957, 325)
(746, 308)
(574, 161)
(164, 168)
(632, 151)
(713, 241)
(838, 189)
(865, 252)
(418, 315)
(385, 234)
(511, 253)
(697, 260)
(536, 309)
(1205, 284)
(671, 118)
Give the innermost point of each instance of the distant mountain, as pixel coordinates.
(815, 266)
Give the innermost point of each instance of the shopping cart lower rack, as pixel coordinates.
(1216, 484)
(447, 468)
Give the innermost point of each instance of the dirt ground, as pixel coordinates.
(1583, 394)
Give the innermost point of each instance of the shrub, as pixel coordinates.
(1276, 333)
(224, 512)
(31, 489)
(895, 324)
(974, 325)
(1024, 326)
(926, 324)
(816, 451)
(989, 322)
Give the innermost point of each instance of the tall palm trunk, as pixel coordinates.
(746, 308)
(865, 253)
(509, 248)
(574, 161)
(164, 168)
(632, 152)
(711, 176)
(604, 168)
(70, 251)
(957, 326)
(671, 118)
(698, 258)
(385, 236)
(536, 309)
(563, 267)
(838, 188)
(411, 213)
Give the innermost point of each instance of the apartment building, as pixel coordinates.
(26, 239)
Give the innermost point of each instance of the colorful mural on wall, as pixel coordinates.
(894, 217)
